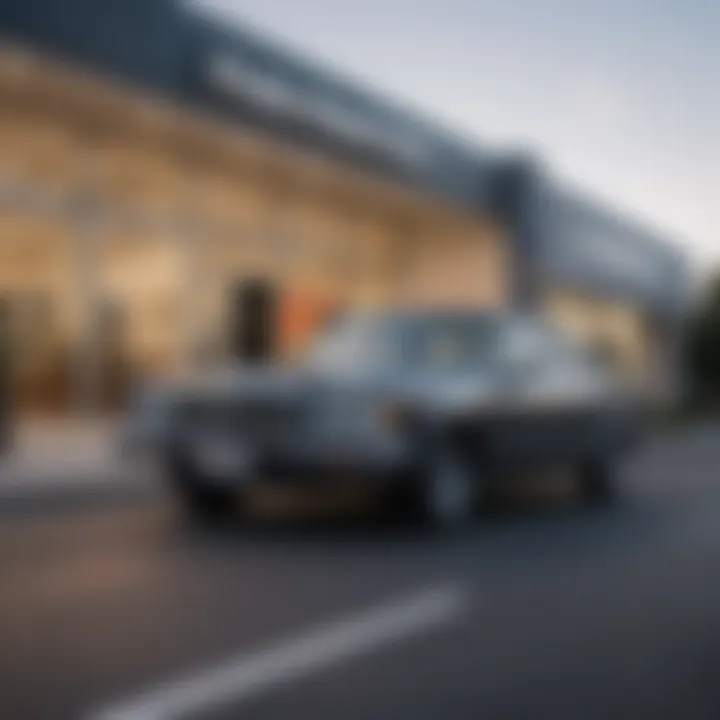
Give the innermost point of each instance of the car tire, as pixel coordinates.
(598, 482)
(446, 496)
(200, 500)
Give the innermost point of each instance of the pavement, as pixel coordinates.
(544, 609)
(55, 462)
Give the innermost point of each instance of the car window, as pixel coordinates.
(543, 362)
(439, 343)
(524, 343)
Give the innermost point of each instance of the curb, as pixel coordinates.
(71, 493)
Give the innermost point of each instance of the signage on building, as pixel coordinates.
(227, 74)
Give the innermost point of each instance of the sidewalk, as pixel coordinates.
(55, 458)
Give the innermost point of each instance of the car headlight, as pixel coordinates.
(150, 411)
(393, 416)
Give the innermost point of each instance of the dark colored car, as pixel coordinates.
(431, 407)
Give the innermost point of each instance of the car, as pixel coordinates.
(429, 407)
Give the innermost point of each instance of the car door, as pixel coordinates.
(511, 429)
(570, 395)
(549, 396)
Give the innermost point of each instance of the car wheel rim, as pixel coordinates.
(450, 493)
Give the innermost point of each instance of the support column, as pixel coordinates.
(188, 226)
(85, 212)
(192, 279)
(87, 245)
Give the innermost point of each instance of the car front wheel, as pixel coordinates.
(597, 480)
(200, 499)
(448, 492)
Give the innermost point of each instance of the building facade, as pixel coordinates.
(173, 191)
(608, 281)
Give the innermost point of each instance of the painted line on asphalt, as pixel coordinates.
(242, 678)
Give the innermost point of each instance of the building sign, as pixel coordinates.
(228, 75)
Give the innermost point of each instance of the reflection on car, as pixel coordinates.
(432, 408)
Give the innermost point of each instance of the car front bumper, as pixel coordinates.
(236, 461)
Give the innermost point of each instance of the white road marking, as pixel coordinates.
(250, 674)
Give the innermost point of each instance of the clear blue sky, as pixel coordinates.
(622, 97)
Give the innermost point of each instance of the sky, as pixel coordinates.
(619, 97)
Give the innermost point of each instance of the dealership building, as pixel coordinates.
(176, 191)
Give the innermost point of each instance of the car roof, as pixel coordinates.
(439, 314)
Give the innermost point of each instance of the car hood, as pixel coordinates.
(239, 381)
(283, 383)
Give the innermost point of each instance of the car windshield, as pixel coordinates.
(447, 343)
(425, 343)
(351, 343)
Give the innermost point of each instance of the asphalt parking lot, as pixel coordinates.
(544, 609)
